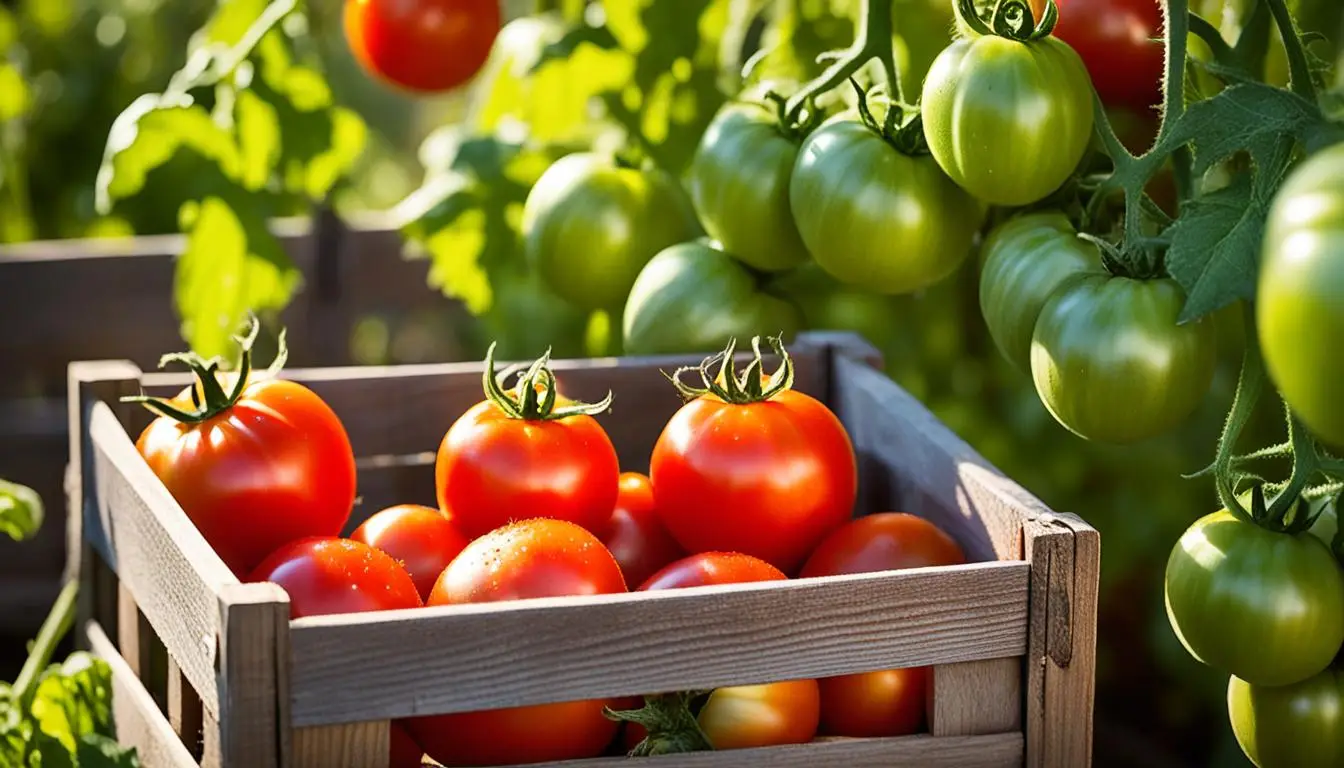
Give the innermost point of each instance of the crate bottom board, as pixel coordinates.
(140, 723)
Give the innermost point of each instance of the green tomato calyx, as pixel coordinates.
(906, 135)
(670, 719)
(745, 389)
(1012, 19)
(797, 128)
(208, 397)
(536, 395)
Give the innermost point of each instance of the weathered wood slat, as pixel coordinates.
(556, 649)
(910, 462)
(177, 578)
(1002, 750)
(137, 718)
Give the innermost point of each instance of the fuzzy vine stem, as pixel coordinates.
(1250, 383)
(57, 623)
(1299, 72)
(1176, 22)
(873, 41)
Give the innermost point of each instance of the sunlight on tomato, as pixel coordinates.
(746, 716)
(422, 45)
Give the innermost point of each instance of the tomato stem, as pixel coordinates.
(536, 394)
(728, 386)
(1250, 382)
(671, 724)
(57, 623)
(1299, 72)
(872, 41)
(216, 400)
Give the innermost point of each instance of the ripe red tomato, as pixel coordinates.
(326, 575)
(422, 45)
(422, 538)
(520, 453)
(405, 752)
(527, 559)
(1119, 41)
(255, 467)
(635, 536)
(765, 473)
(887, 702)
(709, 568)
(883, 541)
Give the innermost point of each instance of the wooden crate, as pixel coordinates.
(1011, 636)
(95, 299)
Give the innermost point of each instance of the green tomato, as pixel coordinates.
(1009, 121)
(1027, 260)
(527, 319)
(693, 297)
(1267, 607)
(1299, 310)
(874, 217)
(590, 226)
(739, 183)
(1111, 364)
(1293, 726)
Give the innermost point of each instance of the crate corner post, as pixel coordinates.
(252, 659)
(1064, 554)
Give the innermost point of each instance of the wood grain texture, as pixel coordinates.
(253, 649)
(429, 398)
(176, 578)
(134, 635)
(1064, 555)
(137, 718)
(556, 649)
(910, 462)
(353, 745)
(922, 751)
(975, 697)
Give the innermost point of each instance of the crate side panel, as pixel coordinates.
(911, 462)
(536, 651)
(137, 718)
(159, 556)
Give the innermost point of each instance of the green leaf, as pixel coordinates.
(232, 265)
(347, 138)
(148, 133)
(1249, 116)
(15, 98)
(75, 698)
(20, 511)
(258, 128)
(99, 751)
(1215, 244)
(466, 217)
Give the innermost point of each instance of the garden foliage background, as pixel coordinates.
(453, 172)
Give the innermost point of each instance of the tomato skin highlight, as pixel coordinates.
(421, 538)
(532, 558)
(739, 184)
(707, 568)
(1119, 41)
(327, 575)
(1008, 121)
(492, 468)
(1111, 364)
(1293, 726)
(423, 46)
(746, 716)
(693, 297)
(635, 536)
(875, 218)
(888, 702)
(735, 455)
(1299, 316)
(589, 227)
(1027, 260)
(246, 477)
(1267, 607)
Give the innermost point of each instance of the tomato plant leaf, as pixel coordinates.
(21, 511)
(1248, 116)
(74, 698)
(148, 133)
(259, 139)
(231, 265)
